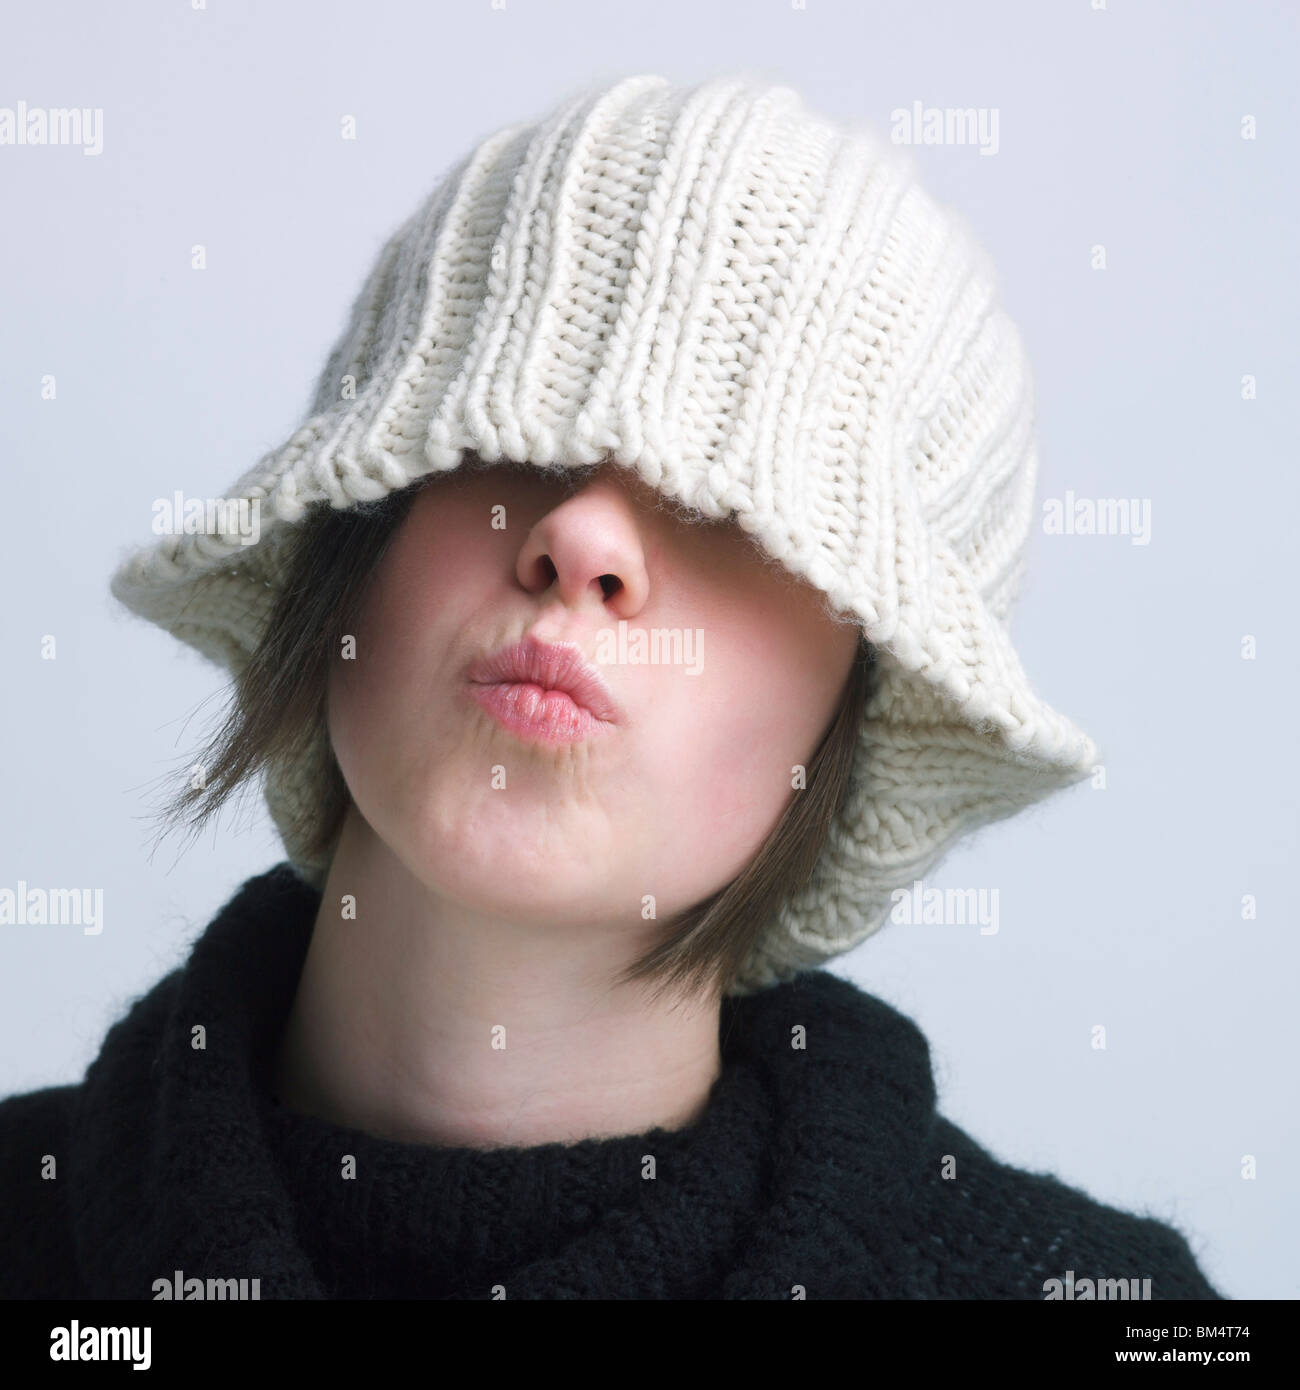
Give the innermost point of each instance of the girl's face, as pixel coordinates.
(720, 675)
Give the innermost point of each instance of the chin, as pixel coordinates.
(492, 860)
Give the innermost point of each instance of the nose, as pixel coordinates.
(590, 549)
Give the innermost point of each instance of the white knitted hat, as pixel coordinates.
(758, 311)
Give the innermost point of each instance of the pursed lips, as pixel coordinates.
(543, 691)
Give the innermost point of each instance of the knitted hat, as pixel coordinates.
(758, 311)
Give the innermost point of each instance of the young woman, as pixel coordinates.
(623, 630)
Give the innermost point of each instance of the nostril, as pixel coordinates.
(548, 570)
(610, 584)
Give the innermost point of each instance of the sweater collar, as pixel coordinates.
(181, 1160)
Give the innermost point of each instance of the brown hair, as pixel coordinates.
(279, 707)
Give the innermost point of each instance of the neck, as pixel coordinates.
(421, 1020)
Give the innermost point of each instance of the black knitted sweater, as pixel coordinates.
(817, 1171)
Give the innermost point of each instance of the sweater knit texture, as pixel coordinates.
(760, 312)
(814, 1171)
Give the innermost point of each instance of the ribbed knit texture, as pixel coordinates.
(758, 311)
(815, 1169)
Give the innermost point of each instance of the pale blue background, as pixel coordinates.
(1118, 127)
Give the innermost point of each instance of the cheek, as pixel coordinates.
(726, 742)
(428, 581)
(437, 568)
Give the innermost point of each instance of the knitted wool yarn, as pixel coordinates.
(758, 311)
